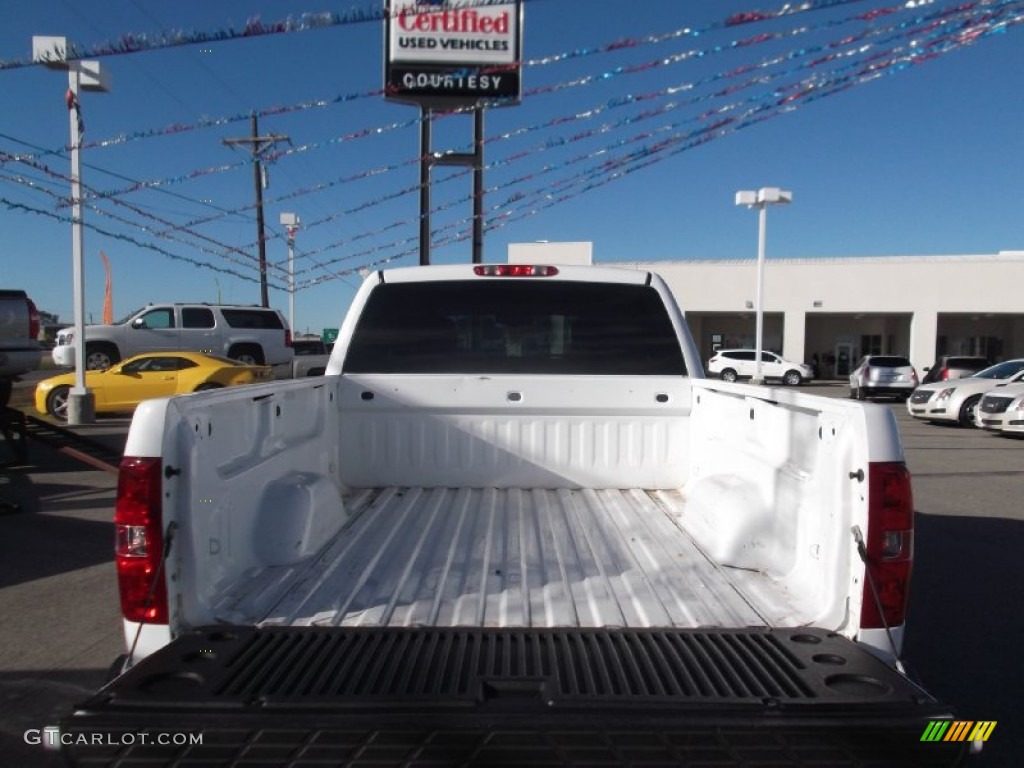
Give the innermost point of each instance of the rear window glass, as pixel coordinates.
(251, 318)
(967, 362)
(889, 362)
(196, 317)
(515, 326)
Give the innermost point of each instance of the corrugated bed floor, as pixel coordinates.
(509, 557)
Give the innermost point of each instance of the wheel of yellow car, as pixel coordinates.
(207, 385)
(57, 402)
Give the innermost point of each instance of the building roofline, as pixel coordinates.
(1001, 256)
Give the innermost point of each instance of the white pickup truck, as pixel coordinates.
(513, 524)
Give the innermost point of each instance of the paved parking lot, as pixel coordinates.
(61, 626)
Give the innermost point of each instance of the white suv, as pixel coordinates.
(733, 364)
(252, 335)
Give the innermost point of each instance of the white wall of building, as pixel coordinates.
(551, 253)
(907, 301)
(915, 305)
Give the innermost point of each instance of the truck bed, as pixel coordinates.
(508, 558)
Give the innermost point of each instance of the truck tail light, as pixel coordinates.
(287, 337)
(33, 320)
(139, 545)
(889, 544)
(515, 270)
(945, 374)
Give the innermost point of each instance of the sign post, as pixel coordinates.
(443, 55)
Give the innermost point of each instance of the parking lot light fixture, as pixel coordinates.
(291, 222)
(52, 52)
(760, 200)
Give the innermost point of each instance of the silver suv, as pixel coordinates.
(733, 364)
(251, 335)
(883, 376)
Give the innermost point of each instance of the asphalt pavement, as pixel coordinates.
(61, 629)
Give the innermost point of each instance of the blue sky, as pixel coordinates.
(924, 158)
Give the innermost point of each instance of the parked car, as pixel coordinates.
(1001, 409)
(19, 350)
(958, 400)
(251, 335)
(883, 376)
(311, 358)
(733, 364)
(122, 387)
(949, 367)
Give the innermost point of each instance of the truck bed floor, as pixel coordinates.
(509, 558)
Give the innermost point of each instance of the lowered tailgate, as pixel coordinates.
(391, 696)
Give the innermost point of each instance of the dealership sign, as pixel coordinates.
(452, 53)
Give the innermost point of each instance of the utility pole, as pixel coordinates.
(257, 145)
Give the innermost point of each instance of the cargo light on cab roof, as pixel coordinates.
(515, 270)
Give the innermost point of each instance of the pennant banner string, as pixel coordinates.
(612, 170)
(614, 46)
(857, 48)
(225, 253)
(408, 190)
(935, 42)
(16, 206)
(583, 81)
(254, 27)
(717, 130)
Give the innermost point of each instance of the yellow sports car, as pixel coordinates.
(155, 374)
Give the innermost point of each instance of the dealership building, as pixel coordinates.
(839, 309)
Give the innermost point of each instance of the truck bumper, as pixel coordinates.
(63, 356)
(235, 696)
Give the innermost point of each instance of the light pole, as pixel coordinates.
(84, 76)
(760, 200)
(291, 222)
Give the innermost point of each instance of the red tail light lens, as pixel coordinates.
(287, 338)
(889, 544)
(33, 320)
(139, 546)
(515, 270)
(945, 374)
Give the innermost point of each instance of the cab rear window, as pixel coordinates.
(515, 326)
